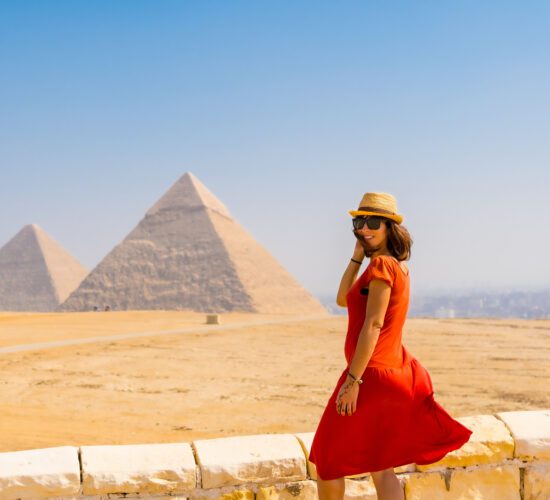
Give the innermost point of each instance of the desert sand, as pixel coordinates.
(253, 374)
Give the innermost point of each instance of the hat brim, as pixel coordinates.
(397, 218)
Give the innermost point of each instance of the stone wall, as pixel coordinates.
(507, 457)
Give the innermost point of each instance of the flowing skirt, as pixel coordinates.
(397, 422)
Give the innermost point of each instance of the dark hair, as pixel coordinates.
(399, 240)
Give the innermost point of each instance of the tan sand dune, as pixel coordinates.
(274, 377)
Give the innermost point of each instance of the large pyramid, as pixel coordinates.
(189, 253)
(36, 273)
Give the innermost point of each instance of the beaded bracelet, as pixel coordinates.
(355, 379)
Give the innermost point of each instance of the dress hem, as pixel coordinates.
(364, 470)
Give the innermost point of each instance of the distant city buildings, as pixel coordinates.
(519, 304)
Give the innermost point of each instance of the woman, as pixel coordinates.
(382, 412)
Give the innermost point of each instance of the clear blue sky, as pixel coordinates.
(288, 111)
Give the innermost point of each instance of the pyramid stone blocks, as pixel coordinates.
(36, 273)
(188, 253)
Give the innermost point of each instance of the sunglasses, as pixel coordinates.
(373, 222)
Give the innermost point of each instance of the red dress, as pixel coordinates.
(397, 420)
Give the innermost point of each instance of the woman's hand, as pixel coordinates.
(346, 401)
(359, 250)
(350, 274)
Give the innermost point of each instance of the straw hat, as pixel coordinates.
(383, 204)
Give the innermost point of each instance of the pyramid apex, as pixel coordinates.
(29, 229)
(188, 193)
(190, 177)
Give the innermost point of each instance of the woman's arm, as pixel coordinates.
(350, 274)
(379, 298)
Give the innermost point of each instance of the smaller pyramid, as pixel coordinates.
(36, 273)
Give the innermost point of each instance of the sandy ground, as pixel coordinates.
(273, 375)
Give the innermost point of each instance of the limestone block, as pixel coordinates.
(43, 472)
(531, 432)
(494, 481)
(138, 468)
(360, 489)
(536, 481)
(238, 495)
(300, 490)
(259, 458)
(423, 485)
(491, 481)
(490, 443)
(227, 493)
(404, 468)
(114, 496)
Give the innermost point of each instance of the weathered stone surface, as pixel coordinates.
(494, 481)
(490, 481)
(262, 467)
(138, 468)
(227, 493)
(260, 458)
(405, 468)
(490, 443)
(166, 262)
(115, 496)
(536, 481)
(531, 432)
(300, 490)
(39, 473)
(419, 486)
(36, 273)
(360, 489)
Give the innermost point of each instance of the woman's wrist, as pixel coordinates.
(354, 379)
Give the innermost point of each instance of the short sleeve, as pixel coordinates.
(382, 268)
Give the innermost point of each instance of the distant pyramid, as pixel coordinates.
(36, 273)
(189, 253)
